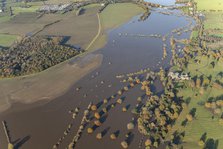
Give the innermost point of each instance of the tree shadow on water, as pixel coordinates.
(19, 143)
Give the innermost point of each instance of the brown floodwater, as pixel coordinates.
(40, 125)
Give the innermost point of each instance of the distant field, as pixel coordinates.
(209, 4)
(7, 40)
(81, 29)
(4, 18)
(17, 10)
(213, 20)
(213, 10)
(116, 14)
(113, 16)
(91, 6)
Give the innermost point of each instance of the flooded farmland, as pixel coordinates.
(131, 47)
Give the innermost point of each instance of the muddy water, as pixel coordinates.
(40, 125)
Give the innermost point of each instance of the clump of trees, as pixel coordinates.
(215, 105)
(207, 143)
(33, 54)
(157, 117)
(159, 113)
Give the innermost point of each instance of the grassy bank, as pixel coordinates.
(7, 40)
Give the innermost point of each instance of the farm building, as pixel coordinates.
(55, 8)
(177, 76)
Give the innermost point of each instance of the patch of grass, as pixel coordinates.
(17, 10)
(5, 18)
(194, 34)
(213, 20)
(218, 35)
(7, 40)
(116, 14)
(204, 67)
(209, 4)
(203, 121)
(91, 5)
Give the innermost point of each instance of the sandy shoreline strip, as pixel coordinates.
(49, 84)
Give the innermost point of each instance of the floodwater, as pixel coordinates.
(40, 125)
(162, 2)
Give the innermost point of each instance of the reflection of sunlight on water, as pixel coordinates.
(162, 2)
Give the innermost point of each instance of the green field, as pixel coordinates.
(203, 122)
(6, 40)
(209, 4)
(213, 23)
(116, 14)
(194, 34)
(5, 18)
(213, 20)
(17, 10)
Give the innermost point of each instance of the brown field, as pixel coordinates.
(82, 29)
(22, 24)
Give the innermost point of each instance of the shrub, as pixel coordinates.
(201, 143)
(93, 107)
(99, 136)
(113, 136)
(119, 101)
(130, 126)
(124, 144)
(148, 142)
(124, 109)
(10, 146)
(97, 123)
(97, 115)
(105, 101)
(90, 130)
(189, 117)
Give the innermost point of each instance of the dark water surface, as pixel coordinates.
(44, 123)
